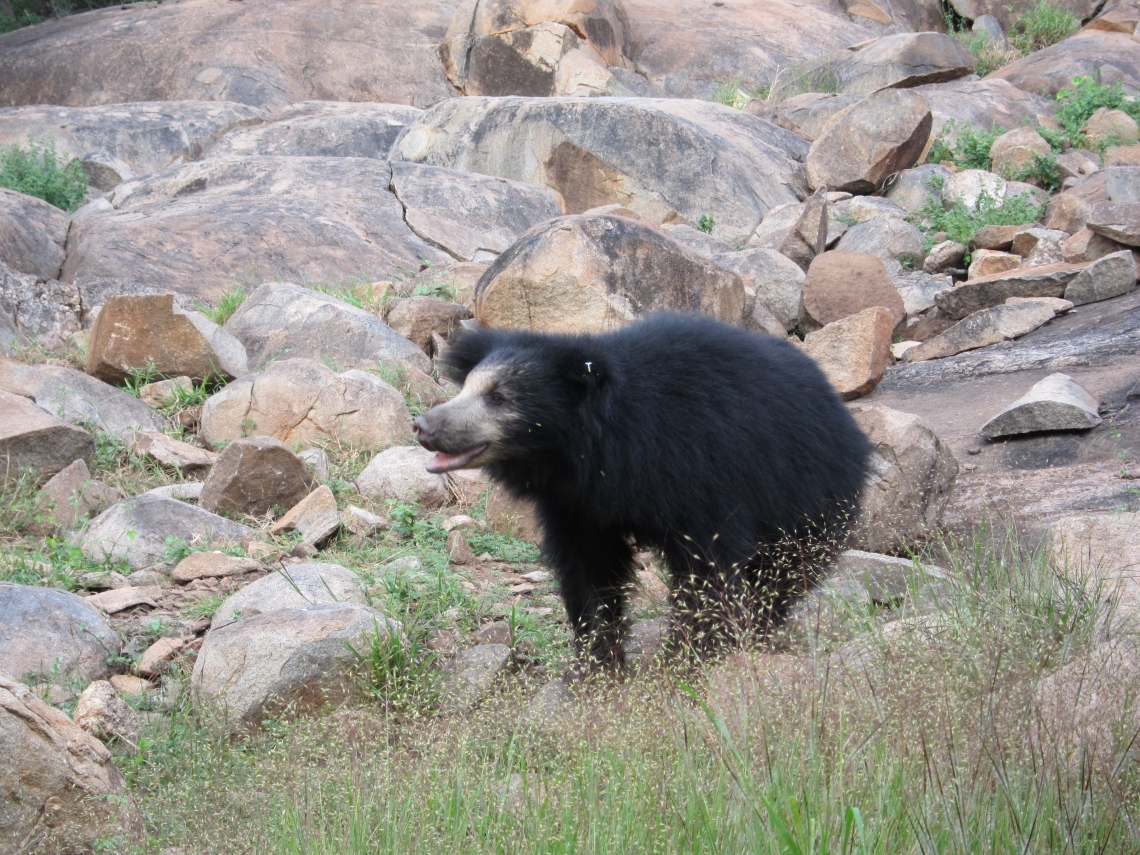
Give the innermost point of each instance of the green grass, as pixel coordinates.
(36, 170)
(964, 145)
(734, 93)
(1043, 25)
(1076, 105)
(928, 746)
(225, 306)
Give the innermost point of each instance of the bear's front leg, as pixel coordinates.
(594, 570)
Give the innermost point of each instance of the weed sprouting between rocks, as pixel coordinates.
(36, 170)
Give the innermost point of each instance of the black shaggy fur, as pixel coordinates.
(726, 449)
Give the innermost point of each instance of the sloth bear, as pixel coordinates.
(727, 450)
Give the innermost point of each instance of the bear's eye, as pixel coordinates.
(496, 398)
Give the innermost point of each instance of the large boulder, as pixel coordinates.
(985, 327)
(1055, 403)
(33, 440)
(140, 532)
(912, 475)
(79, 399)
(320, 129)
(254, 475)
(32, 234)
(47, 634)
(988, 103)
(666, 161)
(283, 319)
(59, 790)
(472, 217)
(841, 283)
(899, 61)
(853, 352)
(151, 333)
(522, 47)
(687, 48)
(119, 141)
(779, 281)
(1042, 280)
(267, 54)
(881, 135)
(198, 227)
(1100, 54)
(300, 401)
(591, 273)
(292, 587)
(292, 659)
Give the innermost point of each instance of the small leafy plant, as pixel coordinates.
(959, 221)
(227, 304)
(36, 170)
(733, 93)
(1076, 105)
(706, 223)
(964, 145)
(1043, 25)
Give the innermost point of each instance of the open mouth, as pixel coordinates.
(444, 462)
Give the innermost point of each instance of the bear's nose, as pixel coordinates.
(425, 427)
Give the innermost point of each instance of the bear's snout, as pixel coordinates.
(425, 428)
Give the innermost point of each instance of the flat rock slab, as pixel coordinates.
(664, 160)
(593, 273)
(32, 234)
(121, 599)
(54, 767)
(1118, 221)
(316, 517)
(474, 672)
(33, 440)
(270, 54)
(1032, 479)
(472, 217)
(900, 61)
(320, 129)
(170, 452)
(296, 659)
(136, 530)
(292, 587)
(80, 399)
(1099, 54)
(145, 137)
(45, 631)
(213, 565)
(984, 327)
(281, 319)
(199, 227)
(1055, 403)
(1044, 280)
(1104, 545)
(302, 401)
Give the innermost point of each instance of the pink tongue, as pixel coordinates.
(442, 460)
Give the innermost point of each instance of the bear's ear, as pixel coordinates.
(466, 348)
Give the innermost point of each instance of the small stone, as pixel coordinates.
(969, 187)
(901, 347)
(1111, 276)
(186, 491)
(1026, 241)
(316, 517)
(254, 475)
(121, 599)
(463, 522)
(944, 256)
(538, 576)
(522, 588)
(316, 460)
(202, 565)
(1066, 213)
(474, 672)
(162, 393)
(70, 497)
(1087, 245)
(260, 550)
(294, 587)
(1014, 150)
(102, 713)
(458, 550)
(1119, 221)
(103, 580)
(172, 453)
(974, 449)
(1113, 126)
(1055, 403)
(996, 237)
(156, 658)
(988, 261)
(129, 684)
(362, 523)
(31, 438)
(498, 632)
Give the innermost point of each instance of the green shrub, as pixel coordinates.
(1043, 169)
(733, 93)
(1043, 25)
(227, 304)
(1076, 105)
(36, 171)
(969, 148)
(959, 221)
(27, 12)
